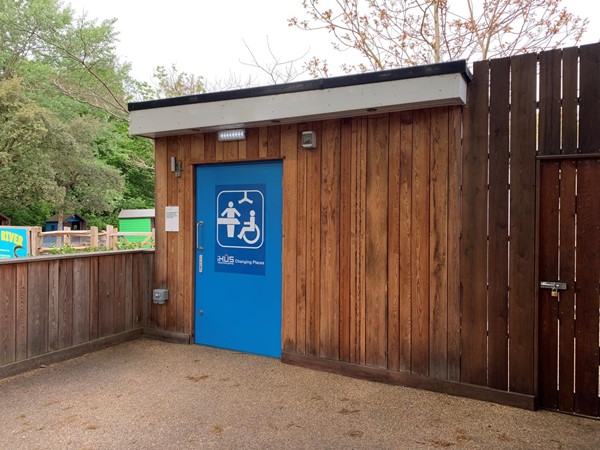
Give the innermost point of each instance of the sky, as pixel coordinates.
(207, 37)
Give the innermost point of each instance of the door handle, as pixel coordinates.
(200, 235)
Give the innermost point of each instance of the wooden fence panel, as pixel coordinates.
(570, 100)
(474, 236)
(567, 274)
(549, 103)
(498, 224)
(587, 288)
(57, 303)
(589, 99)
(8, 313)
(376, 241)
(522, 224)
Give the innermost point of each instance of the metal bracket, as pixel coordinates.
(554, 285)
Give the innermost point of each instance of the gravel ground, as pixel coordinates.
(148, 394)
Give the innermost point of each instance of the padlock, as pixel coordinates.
(554, 292)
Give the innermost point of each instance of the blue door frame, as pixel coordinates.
(238, 257)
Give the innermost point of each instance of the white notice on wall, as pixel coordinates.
(172, 218)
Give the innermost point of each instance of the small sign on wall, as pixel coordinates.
(172, 218)
(13, 242)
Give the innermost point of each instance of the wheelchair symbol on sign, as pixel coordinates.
(241, 225)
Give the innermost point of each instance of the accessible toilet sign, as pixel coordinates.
(241, 235)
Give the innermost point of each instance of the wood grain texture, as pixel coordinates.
(273, 141)
(570, 100)
(473, 249)
(37, 309)
(497, 258)
(263, 142)
(587, 288)
(329, 337)
(420, 242)
(81, 301)
(438, 245)
(522, 223)
(548, 270)
(454, 229)
(405, 239)
(22, 330)
(106, 296)
(346, 199)
(566, 399)
(313, 251)
(119, 294)
(169, 309)
(187, 247)
(94, 299)
(589, 103)
(549, 103)
(161, 248)
(53, 304)
(8, 314)
(376, 241)
(289, 150)
(393, 241)
(65, 304)
(301, 248)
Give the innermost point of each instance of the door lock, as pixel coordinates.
(554, 286)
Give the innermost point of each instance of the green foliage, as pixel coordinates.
(68, 249)
(64, 142)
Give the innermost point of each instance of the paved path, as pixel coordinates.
(148, 394)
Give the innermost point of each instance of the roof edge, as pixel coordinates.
(429, 70)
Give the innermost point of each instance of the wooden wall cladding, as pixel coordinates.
(54, 304)
(370, 245)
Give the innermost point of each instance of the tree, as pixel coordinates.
(396, 33)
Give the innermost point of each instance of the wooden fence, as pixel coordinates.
(520, 111)
(56, 307)
(43, 242)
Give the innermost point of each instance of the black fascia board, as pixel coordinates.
(405, 73)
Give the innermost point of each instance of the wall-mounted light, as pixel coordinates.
(309, 139)
(176, 166)
(232, 135)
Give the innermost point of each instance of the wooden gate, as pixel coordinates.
(569, 252)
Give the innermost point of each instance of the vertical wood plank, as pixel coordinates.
(330, 227)
(8, 313)
(589, 98)
(566, 400)
(358, 241)
(210, 151)
(185, 229)
(376, 208)
(252, 146)
(161, 248)
(473, 249)
(301, 247)
(522, 224)
(94, 299)
(187, 251)
(22, 308)
(37, 309)
(119, 294)
(170, 307)
(438, 245)
(498, 224)
(197, 148)
(106, 296)
(65, 303)
(313, 237)
(289, 150)
(393, 240)
(346, 251)
(81, 300)
(406, 259)
(570, 100)
(128, 291)
(548, 270)
(53, 304)
(220, 149)
(587, 287)
(549, 104)
(454, 229)
(263, 142)
(231, 151)
(273, 141)
(420, 242)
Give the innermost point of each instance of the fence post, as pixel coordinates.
(36, 240)
(93, 236)
(109, 236)
(66, 237)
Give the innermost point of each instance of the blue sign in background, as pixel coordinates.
(13, 243)
(240, 228)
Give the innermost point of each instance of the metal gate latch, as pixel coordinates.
(555, 286)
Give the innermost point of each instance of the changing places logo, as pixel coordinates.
(225, 260)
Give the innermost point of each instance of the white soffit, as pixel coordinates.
(362, 99)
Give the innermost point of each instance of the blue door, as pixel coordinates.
(238, 257)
